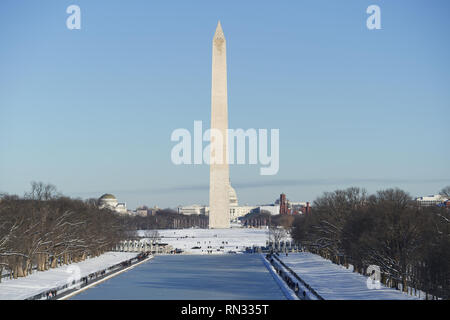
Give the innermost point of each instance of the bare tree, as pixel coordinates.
(41, 191)
(153, 235)
(409, 243)
(445, 192)
(45, 230)
(277, 234)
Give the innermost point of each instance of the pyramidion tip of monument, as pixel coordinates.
(219, 31)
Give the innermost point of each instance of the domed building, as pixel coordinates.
(232, 197)
(236, 211)
(109, 201)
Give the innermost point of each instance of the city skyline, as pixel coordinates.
(91, 110)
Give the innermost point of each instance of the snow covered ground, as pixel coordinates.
(38, 282)
(219, 241)
(335, 282)
(181, 274)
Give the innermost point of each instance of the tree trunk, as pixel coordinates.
(54, 262)
(41, 262)
(47, 262)
(26, 269)
(20, 269)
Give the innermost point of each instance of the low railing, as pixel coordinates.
(57, 292)
(296, 276)
(142, 246)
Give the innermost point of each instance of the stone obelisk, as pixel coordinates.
(219, 212)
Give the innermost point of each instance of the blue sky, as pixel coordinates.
(92, 110)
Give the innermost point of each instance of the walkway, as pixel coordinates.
(335, 282)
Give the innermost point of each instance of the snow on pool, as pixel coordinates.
(191, 277)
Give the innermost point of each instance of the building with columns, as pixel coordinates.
(109, 201)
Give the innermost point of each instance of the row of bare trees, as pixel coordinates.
(165, 219)
(43, 230)
(265, 218)
(388, 229)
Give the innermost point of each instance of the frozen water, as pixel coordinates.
(196, 277)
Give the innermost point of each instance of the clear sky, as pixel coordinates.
(92, 110)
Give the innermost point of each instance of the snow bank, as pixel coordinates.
(23, 288)
(334, 282)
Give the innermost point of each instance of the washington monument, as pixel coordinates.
(219, 179)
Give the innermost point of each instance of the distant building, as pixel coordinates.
(193, 209)
(306, 209)
(240, 211)
(283, 204)
(273, 209)
(290, 207)
(432, 200)
(233, 200)
(145, 211)
(142, 212)
(236, 211)
(153, 211)
(108, 201)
